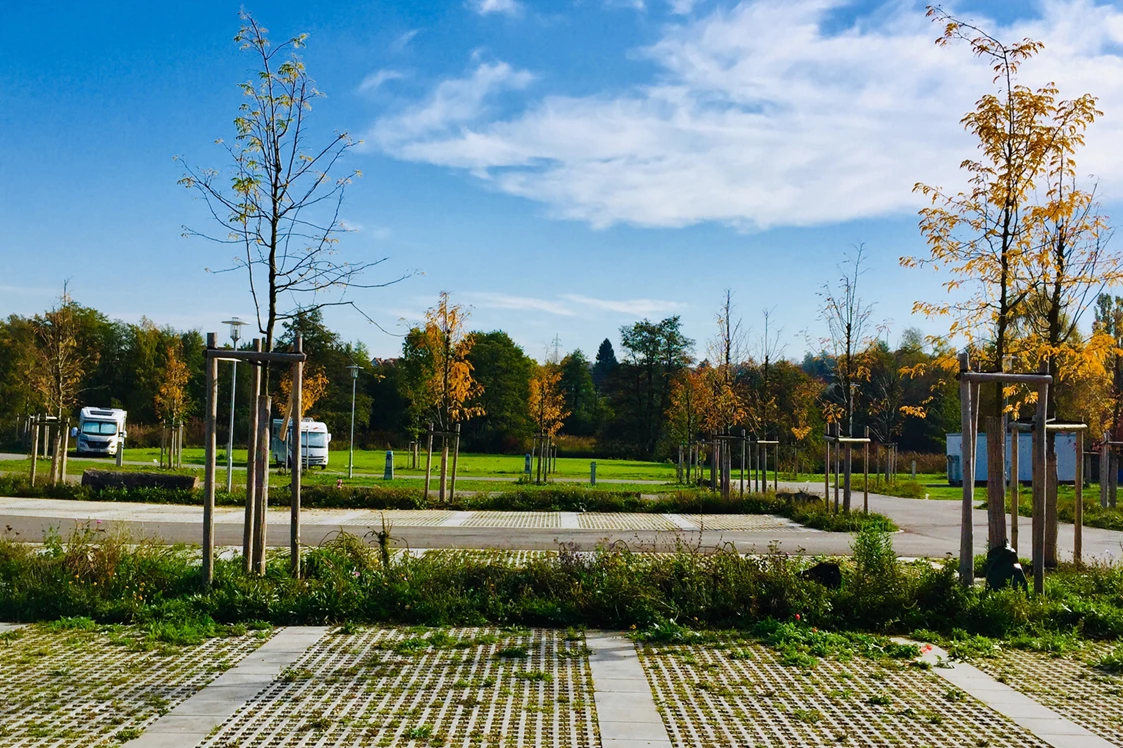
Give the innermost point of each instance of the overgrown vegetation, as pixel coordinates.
(111, 579)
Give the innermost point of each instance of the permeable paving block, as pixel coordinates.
(743, 522)
(502, 558)
(422, 687)
(97, 686)
(739, 693)
(515, 520)
(1084, 686)
(623, 521)
(400, 518)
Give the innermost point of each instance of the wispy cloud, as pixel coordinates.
(375, 80)
(762, 114)
(632, 307)
(486, 7)
(403, 41)
(519, 303)
(682, 7)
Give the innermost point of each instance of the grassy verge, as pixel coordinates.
(802, 508)
(112, 579)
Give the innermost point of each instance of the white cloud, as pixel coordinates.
(375, 80)
(486, 7)
(403, 41)
(453, 103)
(630, 307)
(519, 303)
(763, 114)
(682, 7)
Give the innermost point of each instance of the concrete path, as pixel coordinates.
(626, 710)
(193, 720)
(1014, 705)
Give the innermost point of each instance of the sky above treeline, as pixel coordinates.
(563, 167)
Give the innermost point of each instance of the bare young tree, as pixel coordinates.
(769, 349)
(278, 199)
(848, 324)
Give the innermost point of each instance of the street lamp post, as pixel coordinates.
(354, 368)
(235, 336)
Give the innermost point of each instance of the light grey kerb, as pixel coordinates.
(193, 720)
(626, 712)
(1014, 705)
(5, 627)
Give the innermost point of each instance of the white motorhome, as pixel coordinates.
(314, 440)
(100, 431)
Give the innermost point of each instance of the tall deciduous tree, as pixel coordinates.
(171, 402)
(849, 326)
(450, 385)
(279, 198)
(546, 403)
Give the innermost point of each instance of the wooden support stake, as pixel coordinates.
(1078, 524)
(298, 457)
(837, 461)
(1039, 464)
(263, 405)
(208, 481)
(455, 455)
(866, 474)
(846, 484)
(827, 473)
(966, 530)
(249, 528)
(429, 462)
(1015, 487)
(1104, 467)
(996, 482)
(35, 451)
(1051, 502)
(65, 426)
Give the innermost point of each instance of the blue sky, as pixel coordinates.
(563, 167)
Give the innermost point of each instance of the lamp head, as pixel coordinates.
(235, 329)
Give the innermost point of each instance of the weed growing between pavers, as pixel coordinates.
(747, 689)
(105, 578)
(75, 683)
(427, 687)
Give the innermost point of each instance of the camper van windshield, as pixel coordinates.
(314, 439)
(99, 428)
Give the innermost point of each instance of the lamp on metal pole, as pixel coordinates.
(354, 368)
(235, 336)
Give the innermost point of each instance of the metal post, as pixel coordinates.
(966, 539)
(298, 457)
(847, 472)
(1078, 525)
(209, 445)
(230, 436)
(837, 461)
(351, 446)
(593, 473)
(1039, 463)
(827, 473)
(388, 469)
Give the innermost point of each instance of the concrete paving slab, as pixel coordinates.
(5, 627)
(626, 713)
(191, 721)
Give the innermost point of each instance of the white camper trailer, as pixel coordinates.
(314, 440)
(100, 431)
(1066, 458)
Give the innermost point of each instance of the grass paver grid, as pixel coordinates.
(743, 522)
(502, 558)
(623, 521)
(411, 687)
(400, 518)
(513, 520)
(744, 696)
(78, 688)
(1067, 684)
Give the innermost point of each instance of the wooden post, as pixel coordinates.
(209, 477)
(1104, 467)
(776, 471)
(263, 405)
(35, 452)
(249, 530)
(442, 482)
(1112, 478)
(429, 461)
(827, 472)
(966, 530)
(298, 457)
(847, 472)
(1078, 524)
(866, 474)
(1039, 465)
(1051, 502)
(996, 482)
(1015, 486)
(837, 462)
(455, 455)
(65, 426)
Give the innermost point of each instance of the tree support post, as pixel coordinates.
(1050, 546)
(827, 472)
(455, 456)
(1104, 467)
(35, 450)
(967, 438)
(1015, 485)
(298, 456)
(263, 406)
(866, 473)
(209, 444)
(429, 461)
(1078, 525)
(1040, 456)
